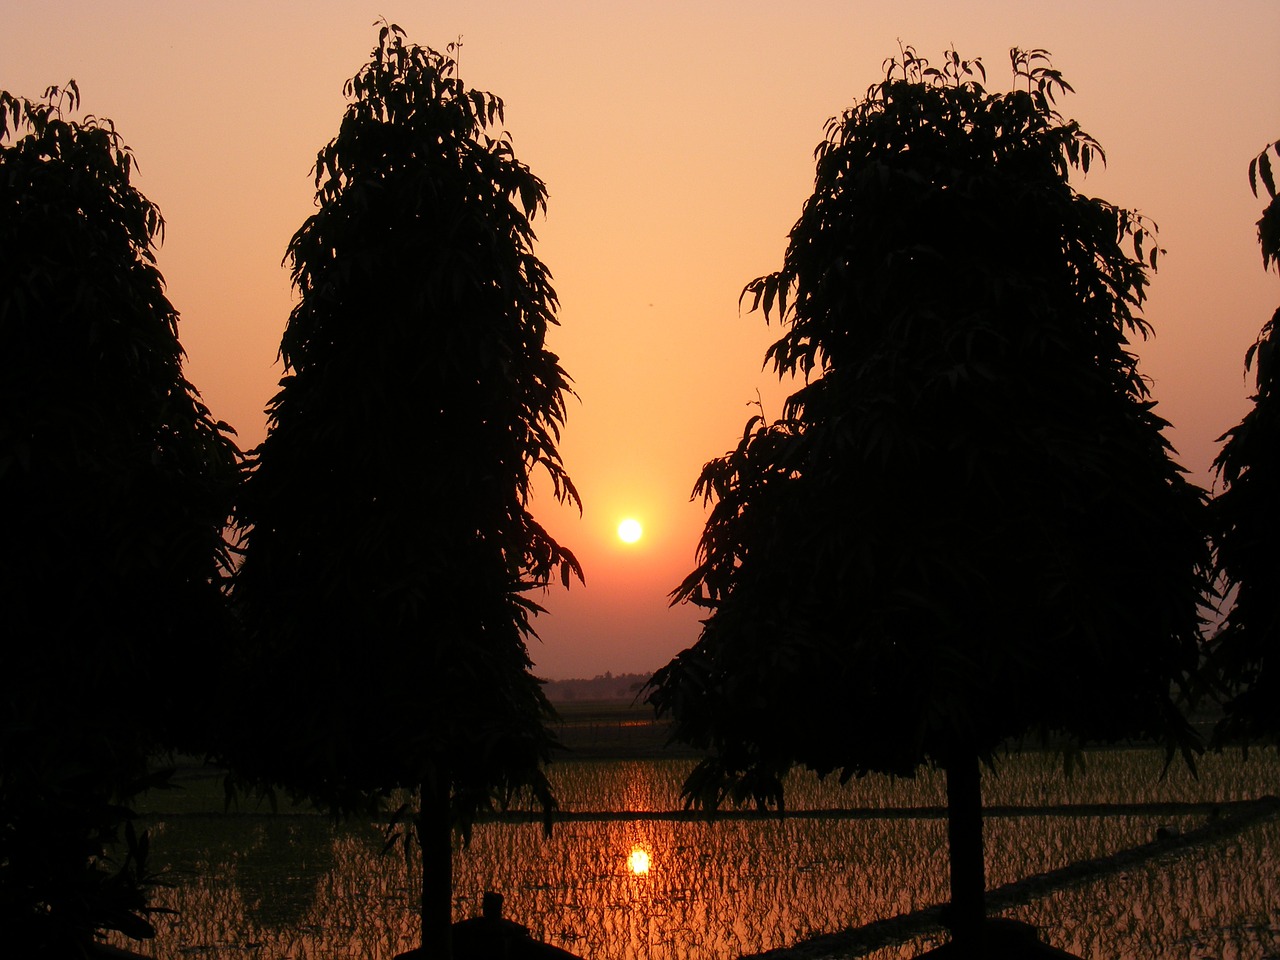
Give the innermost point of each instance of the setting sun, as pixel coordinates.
(629, 530)
(638, 862)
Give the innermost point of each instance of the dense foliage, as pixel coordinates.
(388, 547)
(967, 525)
(1247, 521)
(117, 485)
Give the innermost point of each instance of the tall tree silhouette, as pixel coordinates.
(117, 485)
(388, 549)
(966, 526)
(1247, 521)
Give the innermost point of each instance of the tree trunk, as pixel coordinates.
(435, 837)
(964, 834)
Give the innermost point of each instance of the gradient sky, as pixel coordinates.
(676, 141)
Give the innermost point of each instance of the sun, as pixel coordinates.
(629, 530)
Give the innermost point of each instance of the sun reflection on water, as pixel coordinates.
(638, 861)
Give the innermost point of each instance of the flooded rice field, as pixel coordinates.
(624, 878)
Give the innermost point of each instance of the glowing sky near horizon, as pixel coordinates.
(676, 142)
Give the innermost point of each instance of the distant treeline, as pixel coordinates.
(623, 686)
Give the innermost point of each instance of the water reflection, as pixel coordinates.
(297, 887)
(712, 890)
(638, 861)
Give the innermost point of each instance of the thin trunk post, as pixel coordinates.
(964, 835)
(435, 837)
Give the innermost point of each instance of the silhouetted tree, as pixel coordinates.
(388, 549)
(116, 485)
(1247, 522)
(966, 526)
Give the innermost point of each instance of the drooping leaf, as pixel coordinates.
(1264, 172)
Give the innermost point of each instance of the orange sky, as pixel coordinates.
(676, 141)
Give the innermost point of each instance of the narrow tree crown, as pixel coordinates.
(118, 485)
(125, 479)
(388, 504)
(967, 524)
(1246, 525)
